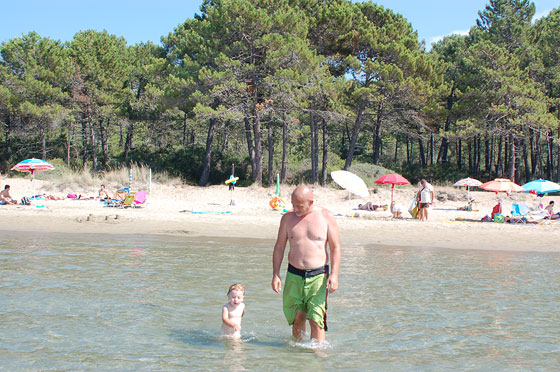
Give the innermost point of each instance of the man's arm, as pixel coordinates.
(278, 254)
(335, 253)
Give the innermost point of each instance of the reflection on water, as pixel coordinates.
(90, 303)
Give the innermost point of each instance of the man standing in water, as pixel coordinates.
(308, 229)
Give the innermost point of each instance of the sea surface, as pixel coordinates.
(73, 302)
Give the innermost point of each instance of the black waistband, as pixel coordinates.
(308, 273)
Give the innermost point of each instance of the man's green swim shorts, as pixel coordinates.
(306, 290)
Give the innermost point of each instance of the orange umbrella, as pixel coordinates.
(502, 185)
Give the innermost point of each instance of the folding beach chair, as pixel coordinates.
(519, 210)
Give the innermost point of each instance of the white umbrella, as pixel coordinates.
(350, 182)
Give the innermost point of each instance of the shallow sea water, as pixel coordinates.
(151, 303)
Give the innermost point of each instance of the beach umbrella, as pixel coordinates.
(502, 185)
(468, 182)
(393, 179)
(541, 187)
(351, 182)
(32, 166)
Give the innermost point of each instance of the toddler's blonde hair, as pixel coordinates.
(236, 287)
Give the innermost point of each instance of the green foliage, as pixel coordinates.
(484, 104)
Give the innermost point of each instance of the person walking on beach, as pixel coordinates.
(308, 228)
(425, 198)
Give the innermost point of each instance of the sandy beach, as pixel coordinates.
(182, 210)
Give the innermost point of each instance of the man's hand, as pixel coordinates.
(276, 283)
(332, 283)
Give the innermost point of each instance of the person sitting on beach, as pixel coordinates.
(550, 208)
(5, 197)
(369, 206)
(233, 311)
(397, 209)
(103, 194)
(120, 194)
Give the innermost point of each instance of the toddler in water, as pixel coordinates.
(233, 311)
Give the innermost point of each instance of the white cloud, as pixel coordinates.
(435, 39)
(539, 15)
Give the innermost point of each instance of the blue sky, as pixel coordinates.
(148, 20)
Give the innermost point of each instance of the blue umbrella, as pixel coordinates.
(541, 186)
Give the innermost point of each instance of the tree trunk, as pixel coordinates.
(422, 155)
(93, 143)
(128, 142)
(314, 149)
(355, 132)
(43, 143)
(103, 132)
(408, 152)
(513, 150)
(431, 149)
(558, 163)
(271, 135)
(325, 153)
(549, 154)
(491, 156)
(396, 148)
(184, 141)
(469, 151)
(257, 134)
(377, 135)
(84, 142)
(459, 154)
(539, 155)
(487, 159)
(444, 148)
(526, 160)
(203, 181)
(225, 138)
(68, 142)
(284, 150)
(533, 152)
(250, 147)
(499, 167)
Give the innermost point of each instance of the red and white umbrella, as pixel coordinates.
(393, 179)
(32, 166)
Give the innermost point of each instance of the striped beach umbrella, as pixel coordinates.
(32, 166)
(541, 187)
(468, 182)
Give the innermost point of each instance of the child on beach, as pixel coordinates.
(233, 311)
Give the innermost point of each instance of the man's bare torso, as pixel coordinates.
(308, 239)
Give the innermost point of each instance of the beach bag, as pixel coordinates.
(25, 201)
(413, 209)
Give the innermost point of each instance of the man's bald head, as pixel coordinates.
(302, 200)
(302, 192)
